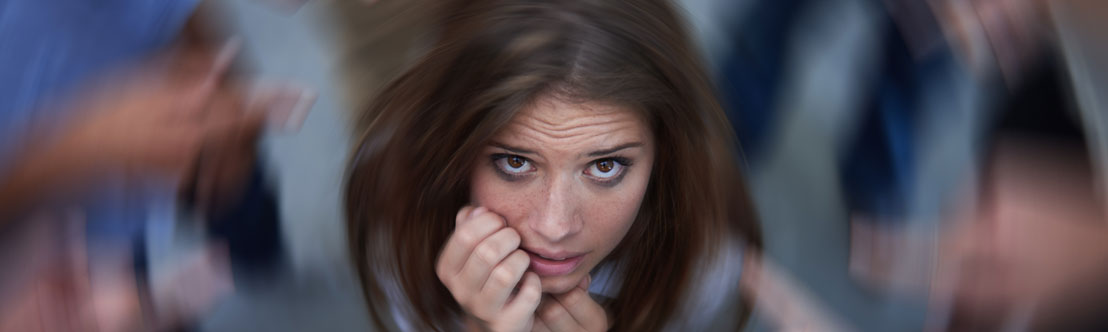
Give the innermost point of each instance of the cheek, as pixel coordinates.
(610, 213)
(499, 196)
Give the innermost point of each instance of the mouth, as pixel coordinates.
(547, 264)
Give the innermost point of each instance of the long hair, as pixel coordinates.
(419, 138)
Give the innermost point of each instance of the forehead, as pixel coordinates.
(555, 122)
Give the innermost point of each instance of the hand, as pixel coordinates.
(176, 118)
(481, 265)
(572, 311)
(155, 119)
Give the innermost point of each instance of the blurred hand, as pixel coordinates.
(155, 120)
(481, 265)
(183, 119)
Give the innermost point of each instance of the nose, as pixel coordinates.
(557, 218)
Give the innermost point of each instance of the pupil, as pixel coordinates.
(604, 166)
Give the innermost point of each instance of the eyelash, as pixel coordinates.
(615, 179)
(625, 163)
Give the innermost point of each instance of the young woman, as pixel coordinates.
(550, 166)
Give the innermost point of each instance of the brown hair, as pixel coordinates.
(411, 167)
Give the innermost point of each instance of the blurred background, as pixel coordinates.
(918, 165)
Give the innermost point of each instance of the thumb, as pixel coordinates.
(584, 284)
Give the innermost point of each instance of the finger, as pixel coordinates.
(490, 252)
(460, 245)
(463, 214)
(285, 105)
(527, 299)
(477, 211)
(581, 307)
(502, 281)
(556, 316)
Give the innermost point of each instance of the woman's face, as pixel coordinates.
(569, 178)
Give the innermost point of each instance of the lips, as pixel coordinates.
(552, 265)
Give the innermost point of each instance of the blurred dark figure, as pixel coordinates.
(1032, 254)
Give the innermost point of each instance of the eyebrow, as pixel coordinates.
(596, 153)
(599, 153)
(513, 149)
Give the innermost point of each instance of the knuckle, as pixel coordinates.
(461, 298)
(487, 253)
(462, 237)
(465, 238)
(462, 213)
(503, 276)
(440, 271)
(530, 295)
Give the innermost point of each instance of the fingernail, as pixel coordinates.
(478, 210)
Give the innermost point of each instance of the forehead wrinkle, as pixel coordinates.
(582, 132)
(551, 126)
(559, 119)
(582, 127)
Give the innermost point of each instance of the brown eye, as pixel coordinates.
(605, 169)
(513, 165)
(604, 166)
(515, 162)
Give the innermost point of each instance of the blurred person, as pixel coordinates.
(151, 122)
(551, 166)
(116, 113)
(891, 98)
(1031, 253)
